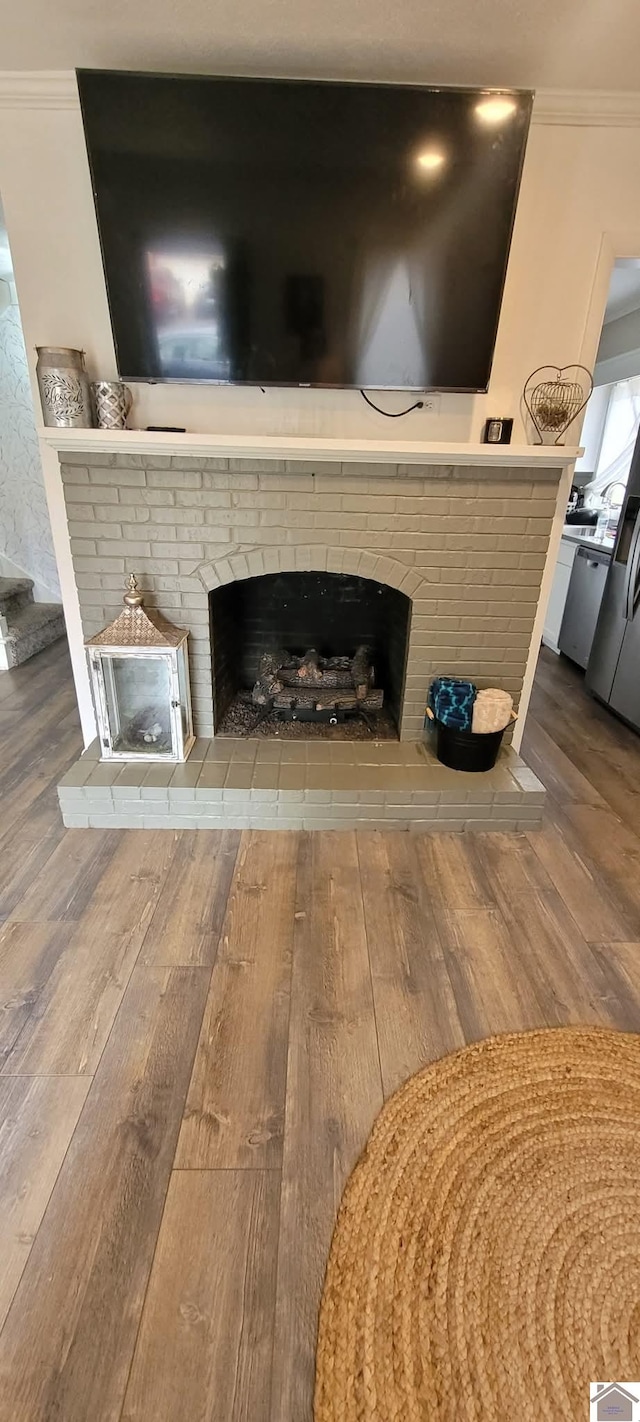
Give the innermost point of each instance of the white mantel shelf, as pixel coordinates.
(211, 446)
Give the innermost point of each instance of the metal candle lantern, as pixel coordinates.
(556, 400)
(140, 680)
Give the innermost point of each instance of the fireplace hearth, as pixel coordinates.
(313, 648)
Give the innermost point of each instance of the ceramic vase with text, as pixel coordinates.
(64, 388)
(113, 402)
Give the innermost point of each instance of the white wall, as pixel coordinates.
(578, 210)
(575, 187)
(25, 532)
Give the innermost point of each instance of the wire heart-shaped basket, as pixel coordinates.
(554, 396)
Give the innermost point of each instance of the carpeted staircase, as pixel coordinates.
(25, 626)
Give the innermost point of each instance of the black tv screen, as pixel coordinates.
(284, 232)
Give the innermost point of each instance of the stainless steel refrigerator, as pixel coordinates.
(613, 672)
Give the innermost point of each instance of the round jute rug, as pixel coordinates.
(486, 1258)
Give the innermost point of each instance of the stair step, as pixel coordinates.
(30, 629)
(14, 594)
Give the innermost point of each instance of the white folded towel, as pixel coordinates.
(491, 710)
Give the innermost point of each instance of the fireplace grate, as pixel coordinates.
(315, 688)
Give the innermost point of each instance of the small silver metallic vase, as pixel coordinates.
(64, 388)
(113, 402)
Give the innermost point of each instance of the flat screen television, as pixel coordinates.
(286, 232)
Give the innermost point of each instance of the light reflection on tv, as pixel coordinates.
(185, 301)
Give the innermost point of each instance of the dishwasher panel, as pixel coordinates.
(588, 578)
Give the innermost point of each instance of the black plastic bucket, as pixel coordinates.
(467, 750)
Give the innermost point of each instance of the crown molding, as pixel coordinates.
(38, 89)
(57, 89)
(573, 108)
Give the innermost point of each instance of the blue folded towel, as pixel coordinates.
(451, 700)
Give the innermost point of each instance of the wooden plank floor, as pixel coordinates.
(198, 1029)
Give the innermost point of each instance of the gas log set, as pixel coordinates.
(315, 688)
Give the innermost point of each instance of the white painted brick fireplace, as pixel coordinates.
(466, 542)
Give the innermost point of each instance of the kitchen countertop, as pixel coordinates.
(573, 533)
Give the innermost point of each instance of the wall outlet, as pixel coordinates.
(430, 404)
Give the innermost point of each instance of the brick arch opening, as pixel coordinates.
(316, 558)
(296, 609)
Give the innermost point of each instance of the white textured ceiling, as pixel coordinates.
(561, 44)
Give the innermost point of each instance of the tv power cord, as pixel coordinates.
(390, 414)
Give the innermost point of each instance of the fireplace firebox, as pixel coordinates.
(335, 614)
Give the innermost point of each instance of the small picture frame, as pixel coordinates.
(497, 431)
